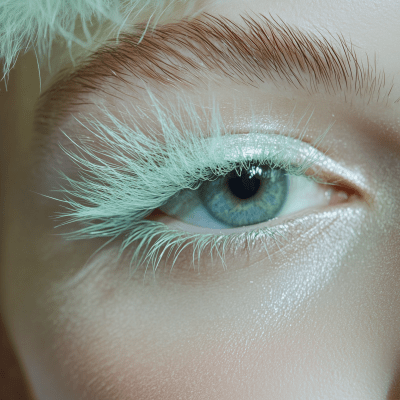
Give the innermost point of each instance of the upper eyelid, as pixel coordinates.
(302, 59)
(187, 158)
(182, 116)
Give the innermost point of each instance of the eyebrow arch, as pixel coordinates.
(188, 52)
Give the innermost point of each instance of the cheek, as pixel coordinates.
(306, 322)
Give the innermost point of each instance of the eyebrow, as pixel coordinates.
(188, 52)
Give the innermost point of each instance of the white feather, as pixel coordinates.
(26, 24)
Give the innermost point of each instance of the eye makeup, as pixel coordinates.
(125, 173)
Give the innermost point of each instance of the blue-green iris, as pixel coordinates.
(249, 197)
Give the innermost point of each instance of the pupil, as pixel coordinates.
(243, 186)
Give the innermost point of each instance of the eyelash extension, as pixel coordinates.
(127, 169)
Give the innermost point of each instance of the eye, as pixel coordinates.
(208, 188)
(247, 196)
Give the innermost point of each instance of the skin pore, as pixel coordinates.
(317, 317)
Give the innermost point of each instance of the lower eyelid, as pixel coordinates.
(260, 244)
(180, 242)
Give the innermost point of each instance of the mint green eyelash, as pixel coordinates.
(127, 170)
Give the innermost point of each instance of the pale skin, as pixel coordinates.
(319, 319)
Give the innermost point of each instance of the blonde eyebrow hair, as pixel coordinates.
(186, 52)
